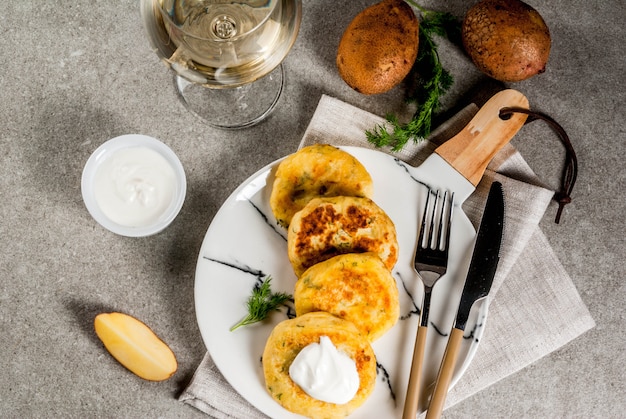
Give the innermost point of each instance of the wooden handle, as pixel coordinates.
(445, 374)
(413, 390)
(471, 150)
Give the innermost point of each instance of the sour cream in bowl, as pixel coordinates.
(134, 185)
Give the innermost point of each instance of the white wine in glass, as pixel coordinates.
(226, 54)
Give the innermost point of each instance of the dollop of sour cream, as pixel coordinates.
(325, 373)
(134, 186)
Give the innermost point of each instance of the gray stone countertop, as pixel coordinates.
(76, 73)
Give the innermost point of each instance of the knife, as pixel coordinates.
(478, 282)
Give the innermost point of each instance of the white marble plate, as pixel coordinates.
(244, 244)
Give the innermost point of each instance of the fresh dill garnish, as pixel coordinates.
(427, 82)
(262, 302)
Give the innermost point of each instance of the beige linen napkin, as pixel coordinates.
(524, 323)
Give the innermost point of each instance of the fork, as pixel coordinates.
(431, 262)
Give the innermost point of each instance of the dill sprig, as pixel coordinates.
(428, 81)
(262, 302)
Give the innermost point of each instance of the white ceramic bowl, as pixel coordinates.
(106, 151)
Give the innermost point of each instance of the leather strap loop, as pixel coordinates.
(570, 171)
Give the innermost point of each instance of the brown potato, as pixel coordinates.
(379, 47)
(507, 40)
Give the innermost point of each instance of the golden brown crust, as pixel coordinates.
(328, 227)
(355, 287)
(507, 40)
(379, 47)
(291, 336)
(316, 171)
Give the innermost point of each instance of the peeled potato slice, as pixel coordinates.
(135, 346)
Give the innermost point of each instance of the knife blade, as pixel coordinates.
(482, 270)
(485, 256)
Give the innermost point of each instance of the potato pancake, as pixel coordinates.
(355, 287)
(328, 227)
(291, 336)
(318, 170)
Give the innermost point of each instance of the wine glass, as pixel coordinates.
(226, 54)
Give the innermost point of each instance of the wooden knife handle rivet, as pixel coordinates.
(471, 150)
(435, 408)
